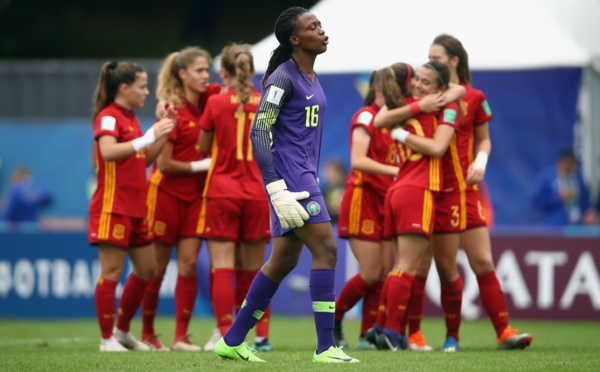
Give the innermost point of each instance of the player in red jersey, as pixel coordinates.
(476, 239)
(235, 208)
(175, 193)
(412, 198)
(117, 223)
(373, 158)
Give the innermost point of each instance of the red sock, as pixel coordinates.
(493, 300)
(243, 280)
(223, 298)
(414, 314)
(354, 289)
(452, 303)
(150, 305)
(262, 327)
(185, 299)
(370, 305)
(398, 298)
(130, 301)
(106, 303)
(383, 299)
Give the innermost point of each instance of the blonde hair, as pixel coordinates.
(237, 60)
(170, 86)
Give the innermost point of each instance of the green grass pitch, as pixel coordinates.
(72, 345)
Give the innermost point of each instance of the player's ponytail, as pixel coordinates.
(170, 86)
(390, 88)
(237, 60)
(284, 29)
(112, 75)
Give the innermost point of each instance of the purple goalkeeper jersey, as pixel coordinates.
(287, 130)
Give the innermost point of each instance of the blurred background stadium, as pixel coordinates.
(539, 67)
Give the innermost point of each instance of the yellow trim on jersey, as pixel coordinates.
(460, 177)
(110, 180)
(202, 219)
(427, 210)
(434, 174)
(463, 210)
(153, 197)
(355, 210)
(214, 151)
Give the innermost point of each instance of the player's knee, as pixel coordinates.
(447, 273)
(187, 267)
(328, 258)
(482, 266)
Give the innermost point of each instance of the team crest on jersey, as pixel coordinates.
(191, 124)
(313, 208)
(159, 228)
(118, 231)
(368, 227)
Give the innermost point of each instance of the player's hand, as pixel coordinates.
(475, 175)
(291, 214)
(432, 102)
(162, 109)
(163, 127)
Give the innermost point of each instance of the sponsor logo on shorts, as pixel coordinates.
(313, 208)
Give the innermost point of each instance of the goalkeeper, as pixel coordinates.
(286, 137)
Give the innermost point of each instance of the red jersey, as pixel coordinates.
(417, 169)
(185, 148)
(122, 184)
(382, 149)
(476, 111)
(453, 174)
(233, 172)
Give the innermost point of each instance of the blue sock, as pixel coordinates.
(323, 303)
(256, 302)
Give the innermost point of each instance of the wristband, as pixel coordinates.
(415, 109)
(400, 134)
(480, 160)
(200, 165)
(144, 141)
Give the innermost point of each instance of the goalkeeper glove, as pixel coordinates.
(291, 214)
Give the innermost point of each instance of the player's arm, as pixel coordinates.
(205, 140)
(359, 159)
(453, 93)
(111, 150)
(435, 147)
(388, 118)
(290, 213)
(166, 164)
(476, 171)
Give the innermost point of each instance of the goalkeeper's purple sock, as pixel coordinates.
(323, 302)
(256, 302)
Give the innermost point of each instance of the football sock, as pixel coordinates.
(243, 279)
(398, 298)
(493, 300)
(414, 314)
(105, 299)
(451, 304)
(323, 303)
(370, 305)
(354, 289)
(185, 299)
(150, 305)
(382, 307)
(223, 298)
(130, 301)
(257, 300)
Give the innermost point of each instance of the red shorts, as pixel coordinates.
(388, 226)
(172, 218)
(235, 220)
(475, 211)
(361, 214)
(409, 210)
(450, 212)
(117, 229)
